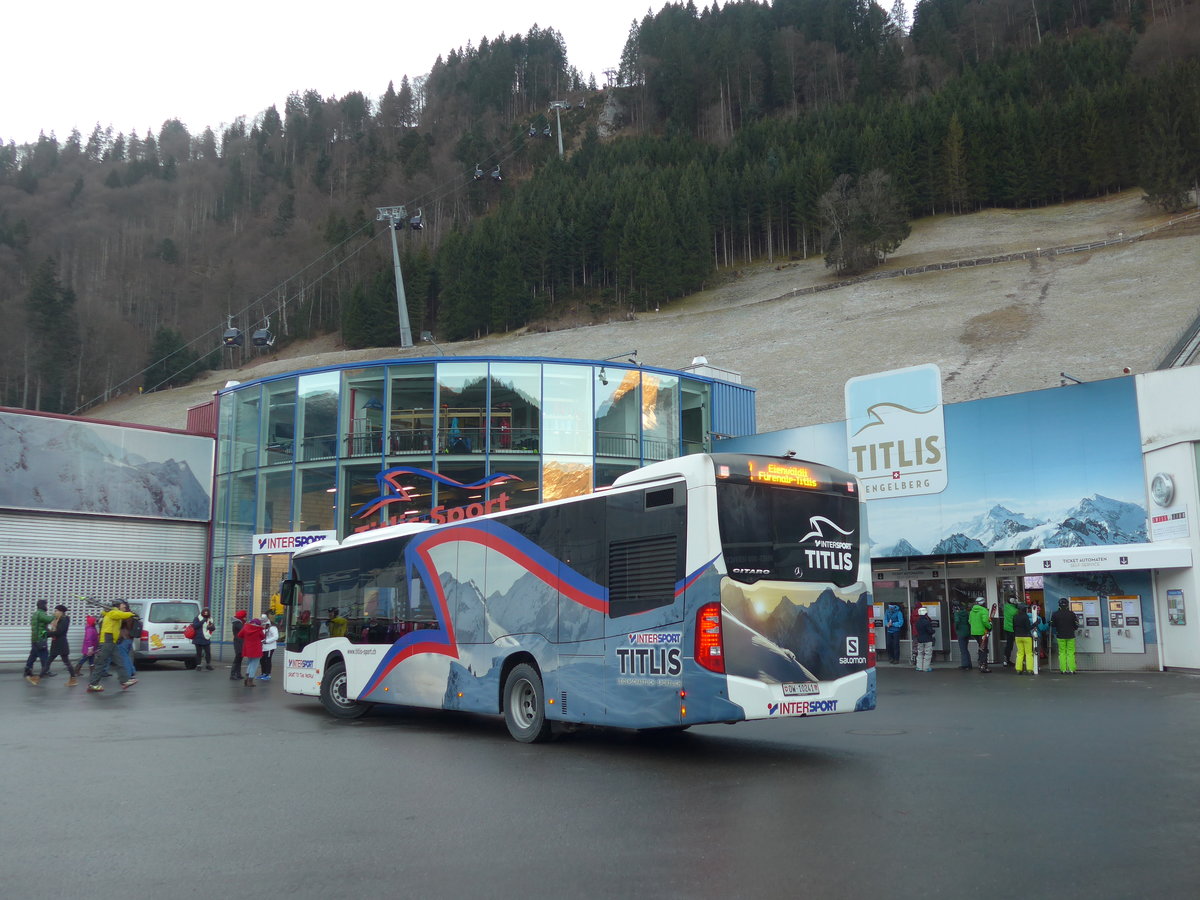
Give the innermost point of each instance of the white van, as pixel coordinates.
(162, 637)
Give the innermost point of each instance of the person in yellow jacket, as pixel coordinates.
(110, 633)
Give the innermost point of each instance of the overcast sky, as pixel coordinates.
(135, 64)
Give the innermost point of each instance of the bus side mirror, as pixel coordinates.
(287, 591)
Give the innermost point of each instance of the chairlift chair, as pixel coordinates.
(532, 130)
(233, 337)
(546, 132)
(478, 173)
(415, 222)
(496, 173)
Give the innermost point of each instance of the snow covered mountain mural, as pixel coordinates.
(49, 463)
(1060, 467)
(1092, 521)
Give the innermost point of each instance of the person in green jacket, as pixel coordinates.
(1010, 610)
(38, 631)
(981, 626)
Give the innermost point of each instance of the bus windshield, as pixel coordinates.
(787, 534)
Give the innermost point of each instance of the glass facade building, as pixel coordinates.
(306, 452)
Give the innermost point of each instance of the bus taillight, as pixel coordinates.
(709, 646)
(870, 643)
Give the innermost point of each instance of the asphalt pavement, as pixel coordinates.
(192, 785)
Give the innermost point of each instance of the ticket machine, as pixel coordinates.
(1125, 625)
(1090, 636)
(877, 624)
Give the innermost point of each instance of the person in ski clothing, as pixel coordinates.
(270, 642)
(239, 622)
(39, 622)
(1022, 630)
(893, 624)
(981, 626)
(59, 647)
(923, 636)
(91, 643)
(252, 648)
(110, 634)
(1010, 610)
(962, 628)
(204, 627)
(1065, 625)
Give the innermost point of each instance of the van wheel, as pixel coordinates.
(334, 697)
(525, 705)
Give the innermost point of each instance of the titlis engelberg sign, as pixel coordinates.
(895, 432)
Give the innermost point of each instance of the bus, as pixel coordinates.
(710, 588)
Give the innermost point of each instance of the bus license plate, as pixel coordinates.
(791, 689)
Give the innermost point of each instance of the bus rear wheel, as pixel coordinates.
(334, 697)
(525, 705)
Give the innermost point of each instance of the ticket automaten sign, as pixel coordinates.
(896, 432)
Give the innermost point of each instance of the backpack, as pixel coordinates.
(190, 631)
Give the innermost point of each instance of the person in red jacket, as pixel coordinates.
(252, 648)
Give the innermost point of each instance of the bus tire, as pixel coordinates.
(525, 705)
(333, 694)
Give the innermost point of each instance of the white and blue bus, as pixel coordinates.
(711, 588)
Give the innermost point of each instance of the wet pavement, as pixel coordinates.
(192, 785)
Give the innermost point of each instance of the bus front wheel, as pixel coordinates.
(525, 705)
(334, 697)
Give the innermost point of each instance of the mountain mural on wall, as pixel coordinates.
(1093, 521)
(57, 464)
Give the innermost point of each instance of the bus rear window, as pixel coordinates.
(782, 534)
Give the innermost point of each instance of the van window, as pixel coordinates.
(172, 612)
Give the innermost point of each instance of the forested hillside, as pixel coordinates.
(734, 134)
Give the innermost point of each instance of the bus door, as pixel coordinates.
(644, 629)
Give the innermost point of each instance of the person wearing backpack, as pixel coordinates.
(923, 635)
(131, 630)
(110, 633)
(981, 626)
(203, 628)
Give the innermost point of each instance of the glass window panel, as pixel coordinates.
(449, 496)
(660, 416)
(694, 419)
(411, 426)
(359, 488)
(522, 492)
(566, 476)
(277, 501)
(243, 505)
(618, 412)
(566, 426)
(363, 412)
(225, 407)
(220, 516)
(318, 396)
(279, 436)
(316, 499)
(462, 408)
(607, 473)
(515, 407)
(246, 410)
